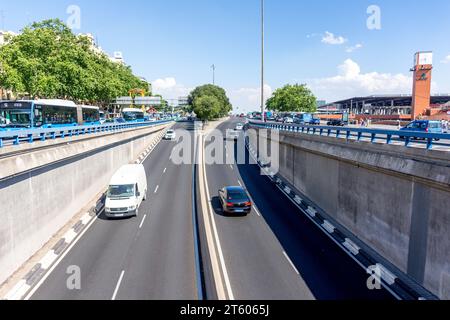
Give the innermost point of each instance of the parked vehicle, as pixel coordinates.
(314, 121)
(423, 126)
(235, 200)
(127, 189)
(239, 126)
(304, 118)
(288, 120)
(336, 123)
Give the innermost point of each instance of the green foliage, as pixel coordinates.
(207, 107)
(293, 98)
(48, 61)
(209, 102)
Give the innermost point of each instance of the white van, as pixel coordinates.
(127, 190)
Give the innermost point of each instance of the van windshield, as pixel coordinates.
(123, 191)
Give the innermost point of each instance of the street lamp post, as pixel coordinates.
(262, 61)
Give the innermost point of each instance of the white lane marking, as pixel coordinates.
(156, 190)
(165, 169)
(257, 211)
(231, 166)
(291, 263)
(118, 285)
(142, 222)
(216, 236)
(240, 183)
(61, 258)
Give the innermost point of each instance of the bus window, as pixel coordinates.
(58, 115)
(90, 115)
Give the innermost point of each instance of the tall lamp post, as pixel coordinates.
(262, 62)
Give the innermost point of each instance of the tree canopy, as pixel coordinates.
(209, 102)
(293, 98)
(48, 61)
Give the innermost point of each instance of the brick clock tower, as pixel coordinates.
(423, 66)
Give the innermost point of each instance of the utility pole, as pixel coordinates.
(262, 62)
(213, 67)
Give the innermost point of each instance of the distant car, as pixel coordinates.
(239, 126)
(170, 135)
(336, 123)
(423, 126)
(235, 200)
(288, 120)
(279, 119)
(315, 122)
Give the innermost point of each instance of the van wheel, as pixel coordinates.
(145, 196)
(137, 212)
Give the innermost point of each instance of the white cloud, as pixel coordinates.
(169, 88)
(249, 98)
(164, 84)
(330, 38)
(351, 82)
(354, 48)
(446, 60)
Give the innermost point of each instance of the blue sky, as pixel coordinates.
(173, 42)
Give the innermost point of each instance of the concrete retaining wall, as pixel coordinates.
(394, 199)
(36, 203)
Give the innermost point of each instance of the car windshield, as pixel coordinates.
(121, 191)
(170, 132)
(237, 195)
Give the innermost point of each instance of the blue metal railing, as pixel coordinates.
(17, 137)
(430, 140)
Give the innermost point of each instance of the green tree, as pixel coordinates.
(48, 61)
(207, 107)
(293, 98)
(212, 91)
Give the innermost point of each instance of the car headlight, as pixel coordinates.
(132, 208)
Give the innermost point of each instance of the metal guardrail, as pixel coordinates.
(358, 134)
(17, 137)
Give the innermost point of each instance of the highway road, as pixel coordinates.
(149, 257)
(276, 252)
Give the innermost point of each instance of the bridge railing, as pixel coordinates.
(407, 138)
(17, 137)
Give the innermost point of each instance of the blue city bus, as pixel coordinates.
(29, 114)
(133, 115)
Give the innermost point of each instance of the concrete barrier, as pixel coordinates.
(394, 199)
(41, 191)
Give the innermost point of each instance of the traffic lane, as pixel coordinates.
(256, 263)
(162, 263)
(328, 271)
(101, 252)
